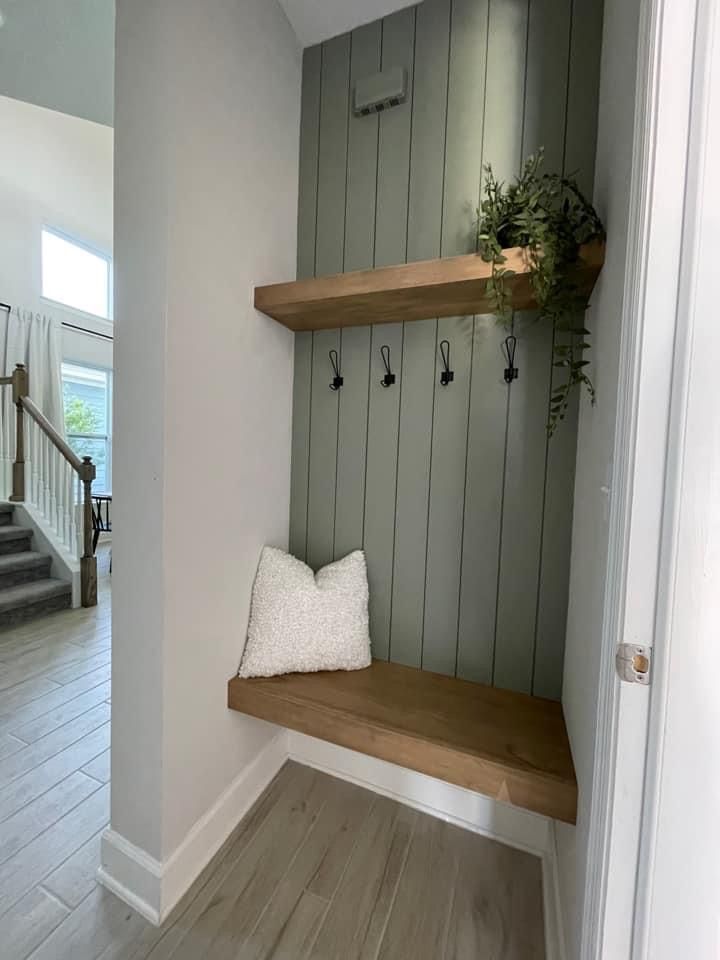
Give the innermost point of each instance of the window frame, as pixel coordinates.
(88, 248)
(107, 438)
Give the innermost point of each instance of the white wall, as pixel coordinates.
(595, 448)
(207, 127)
(59, 54)
(317, 20)
(55, 170)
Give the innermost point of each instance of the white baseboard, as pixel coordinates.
(499, 821)
(154, 888)
(554, 936)
(131, 874)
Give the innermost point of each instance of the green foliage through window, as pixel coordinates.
(80, 416)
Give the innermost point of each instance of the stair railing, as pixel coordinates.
(58, 482)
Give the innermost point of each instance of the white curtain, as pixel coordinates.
(32, 339)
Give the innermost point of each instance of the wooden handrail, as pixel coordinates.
(84, 467)
(53, 436)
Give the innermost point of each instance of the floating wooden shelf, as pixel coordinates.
(506, 745)
(450, 287)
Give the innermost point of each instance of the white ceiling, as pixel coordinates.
(316, 20)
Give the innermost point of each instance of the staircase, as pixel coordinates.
(26, 588)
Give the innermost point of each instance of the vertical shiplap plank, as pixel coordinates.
(427, 165)
(546, 81)
(522, 506)
(381, 479)
(505, 86)
(555, 556)
(483, 503)
(502, 148)
(329, 246)
(309, 144)
(579, 159)
(393, 171)
(302, 380)
(413, 486)
(583, 91)
(323, 452)
(359, 249)
(465, 116)
(447, 497)
(352, 441)
(427, 155)
(393, 174)
(362, 155)
(463, 151)
(332, 159)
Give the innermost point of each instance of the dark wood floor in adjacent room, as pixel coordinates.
(319, 868)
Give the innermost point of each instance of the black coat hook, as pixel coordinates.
(337, 379)
(447, 376)
(389, 377)
(511, 371)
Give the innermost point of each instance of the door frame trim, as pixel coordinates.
(642, 452)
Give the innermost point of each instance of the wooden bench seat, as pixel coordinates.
(506, 745)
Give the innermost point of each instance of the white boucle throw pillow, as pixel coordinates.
(302, 622)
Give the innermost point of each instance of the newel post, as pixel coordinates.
(88, 561)
(20, 390)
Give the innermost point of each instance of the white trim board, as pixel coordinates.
(154, 888)
(515, 827)
(666, 46)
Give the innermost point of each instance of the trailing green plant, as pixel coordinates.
(548, 215)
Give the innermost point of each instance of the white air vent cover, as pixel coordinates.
(380, 91)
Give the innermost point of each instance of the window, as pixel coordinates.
(87, 398)
(75, 275)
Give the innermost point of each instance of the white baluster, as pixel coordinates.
(48, 478)
(38, 465)
(73, 544)
(35, 483)
(59, 494)
(35, 452)
(41, 471)
(30, 454)
(69, 507)
(52, 483)
(79, 515)
(32, 460)
(45, 498)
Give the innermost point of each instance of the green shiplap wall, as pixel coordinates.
(462, 506)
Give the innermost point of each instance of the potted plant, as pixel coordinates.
(548, 216)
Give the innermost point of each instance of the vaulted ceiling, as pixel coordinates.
(316, 20)
(60, 53)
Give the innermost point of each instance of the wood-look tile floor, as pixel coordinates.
(319, 869)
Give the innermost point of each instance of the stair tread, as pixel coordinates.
(22, 559)
(13, 532)
(26, 593)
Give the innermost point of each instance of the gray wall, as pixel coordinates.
(462, 506)
(60, 54)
